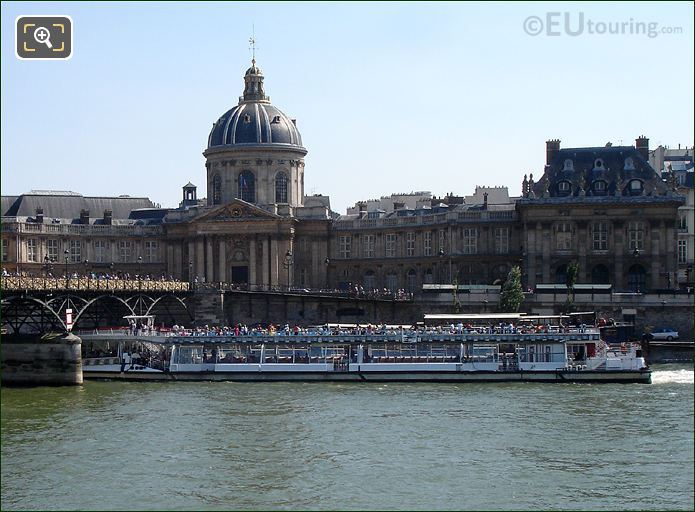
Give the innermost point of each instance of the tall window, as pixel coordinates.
(216, 189)
(281, 188)
(683, 222)
(368, 243)
(125, 249)
(563, 236)
(247, 187)
(32, 250)
(390, 245)
(442, 240)
(411, 280)
(635, 236)
(345, 246)
(52, 249)
(369, 280)
(599, 236)
(4, 249)
(470, 240)
(502, 240)
(682, 251)
(392, 282)
(427, 243)
(75, 251)
(410, 244)
(150, 252)
(100, 251)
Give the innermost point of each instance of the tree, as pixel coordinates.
(512, 294)
(571, 280)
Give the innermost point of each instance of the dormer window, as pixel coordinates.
(629, 164)
(598, 164)
(600, 187)
(569, 165)
(636, 187)
(564, 188)
(276, 119)
(247, 118)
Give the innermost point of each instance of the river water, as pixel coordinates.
(221, 446)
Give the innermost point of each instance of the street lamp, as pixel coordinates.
(67, 276)
(139, 272)
(327, 261)
(635, 254)
(86, 271)
(289, 260)
(46, 262)
(441, 255)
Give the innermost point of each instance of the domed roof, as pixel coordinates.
(254, 121)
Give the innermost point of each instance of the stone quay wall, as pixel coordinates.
(49, 360)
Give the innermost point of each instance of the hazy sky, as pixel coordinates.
(392, 97)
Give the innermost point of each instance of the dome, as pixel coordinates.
(254, 121)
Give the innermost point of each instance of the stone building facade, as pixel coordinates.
(604, 207)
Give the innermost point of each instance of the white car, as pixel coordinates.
(664, 334)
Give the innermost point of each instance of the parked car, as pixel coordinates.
(664, 333)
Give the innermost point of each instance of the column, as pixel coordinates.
(209, 261)
(191, 259)
(265, 264)
(274, 267)
(170, 258)
(199, 259)
(223, 260)
(252, 263)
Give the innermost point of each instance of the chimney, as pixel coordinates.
(108, 217)
(39, 214)
(642, 145)
(84, 216)
(551, 149)
(485, 201)
(362, 207)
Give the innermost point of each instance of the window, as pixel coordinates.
(635, 236)
(428, 277)
(150, 252)
(683, 222)
(442, 240)
(598, 164)
(600, 275)
(52, 249)
(32, 250)
(599, 234)
(410, 244)
(125, 248)
(100, 251)
(281, 188)
(564, 188)
(569, 165)
(392, 282)
(470, 240)
(216, 189)
(635, 187)
(427, 243)
(600, 187)
(4, 249)
(682, 251)
(247, 187)
(563, 236)
(368, 243)
(629, 164)
(501, 240)
(411, 280)
(345, 246)
(369, 279)
(390, 245)
(75, 251)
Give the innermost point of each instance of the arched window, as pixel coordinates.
(599, 275)
(369, 281)
(216, 189)
(600, 187)
(281, 188)
(411, 281)
(636, 187)
(247, 187)
(564, 188)
(429, 276)
(636, 278)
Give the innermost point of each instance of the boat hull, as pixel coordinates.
(559, 376)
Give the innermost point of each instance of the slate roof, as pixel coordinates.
(70, 206)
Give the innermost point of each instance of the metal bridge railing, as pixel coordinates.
(10, 283)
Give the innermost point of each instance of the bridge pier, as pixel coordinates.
(48, 360)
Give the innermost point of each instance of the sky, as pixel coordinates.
(389, 97)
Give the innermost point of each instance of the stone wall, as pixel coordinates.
(50, 360)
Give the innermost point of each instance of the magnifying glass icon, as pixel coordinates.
(43, 36)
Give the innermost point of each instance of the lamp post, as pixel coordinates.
(46, 262)
(287, 263)
(441, 255)
(190, 274)
(635, 254)
(327, 261)
(139, 272)
(66, 253)
(86, 271)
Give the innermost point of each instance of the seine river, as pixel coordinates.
(216, 446)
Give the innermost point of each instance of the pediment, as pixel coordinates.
(237, 211)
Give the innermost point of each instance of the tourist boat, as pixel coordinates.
(443, 348)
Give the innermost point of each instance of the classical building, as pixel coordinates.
(604, 207)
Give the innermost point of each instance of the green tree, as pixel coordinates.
(512, 294)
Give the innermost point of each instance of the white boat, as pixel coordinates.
(533, 349)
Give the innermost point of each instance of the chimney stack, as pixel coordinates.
(485, 201)
(84, 216)
(551, 149)
(39, 214)
(642, 145)
(108, 217)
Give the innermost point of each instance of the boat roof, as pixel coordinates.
(474, 316)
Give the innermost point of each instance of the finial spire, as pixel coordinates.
(252, 42)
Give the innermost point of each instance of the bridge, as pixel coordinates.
(36, 305)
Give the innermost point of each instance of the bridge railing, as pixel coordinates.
(10, 283)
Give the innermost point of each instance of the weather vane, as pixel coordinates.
(252, 42)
